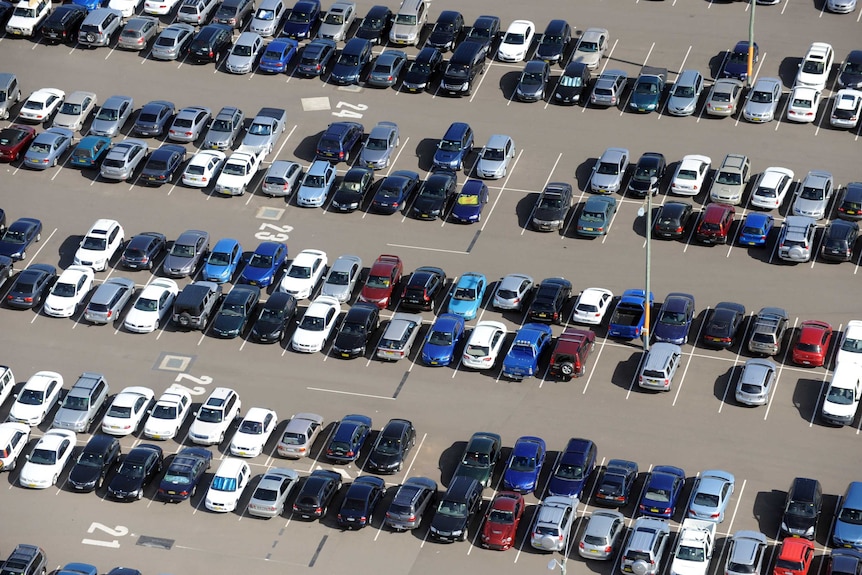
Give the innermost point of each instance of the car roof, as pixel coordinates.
(592, 34)
(456, 131)
(230, 467)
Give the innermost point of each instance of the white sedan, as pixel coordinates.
(305, 272)
(159, 7)
(41, 105)
(484, 345)
(316, 325)
(152, 305)
(69, 291)
(253, 432)
(37, 398)
(690, 175)
(203, 168)
(850, 350)
(227, 485)
(13, 438)
(516, 43)
(803, 104)
(846, 109)
(591, 306)
(169, 413)
(127, 7)
(771, 188)
(127, 410)
(46, 461)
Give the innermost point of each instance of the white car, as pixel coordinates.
(100, 244)
(215, 416)
(592, 305)
(516, 43)
(169, 413)
(803, 104)
(253, 432)
(46, 461)
(690, 175)
(228, 483)
(842, 396)
(815, 67)
(159, 7)
(771, 188)
(41, 105)
(305, 272)
(484, 345)
(846, 109)
(342, 278)
(299, 435)
(203, 168)
(591, 47)
(37, 398)
(850, 350)
(13, 438)
(69, 291)
(127, 410)
(316, 325)
(152, 305)
(127, 8)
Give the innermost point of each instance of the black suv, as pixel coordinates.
(447, 31)
(236, 309)
(271, 324)
(550, 298)
(234, 13)
(839, 240)
(194, 305)
(94, 463)
(211, 43)
(456, 508)
(63, 24)
(552, 207)
(555, 42)
(25, 560)
(359, 324)
(317, 493)
(392, 446)
(424, 285)
(802, 508)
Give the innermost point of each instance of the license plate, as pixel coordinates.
(351, 519)
(435, 362)
(653, 510)
(756, 120)
(603, 191)
(542, 315)
(172, 492)
(594, 550)
(721, 109)
(851, 212)
(428, 215)
(241, 452)
(345, 355)
(589, 229)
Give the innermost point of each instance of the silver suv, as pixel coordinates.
(645, 546)
(796, 238)
(730, 180)
(553, 523)
(99, 27)
(82, 403)
(768, 331)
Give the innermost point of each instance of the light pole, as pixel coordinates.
(751, 42)
(653, 182)
(552, 564)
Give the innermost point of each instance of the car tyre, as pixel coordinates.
(38, 237)
(567, 369)
(140, 494)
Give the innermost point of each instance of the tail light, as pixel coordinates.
(211, 54)
(609, 549)
(581, 545)
(319, 511)
(679, 230)
(425, 296)
(317, 67)
(556, 316)
(350, 453)
(110, 313)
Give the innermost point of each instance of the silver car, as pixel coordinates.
(343, 275)
(189, 123)
(591, 47)
(608, 89)
(299, 435)
(173, 41)
(380, 145)
(272, 492)
(139, 32)
(812, 198)
(75, 110)
(398, 338)
(731, 179)
(337, 21)
(553, 523)
(609, 171)
(762, 101)
(281, 178)
(723, 98)
(109, 299)
(187, 252)
(512, 291)
(796, 239)
(685, 94)
(224, 129)
(411, 501)
(495, 157)
(112, 116)
(244, 53)
(45, 151)
(123, 159)
(604, 532)
(755, 383)
(747, 551)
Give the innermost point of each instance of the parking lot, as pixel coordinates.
(697, 425)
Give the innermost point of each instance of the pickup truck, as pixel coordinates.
(238, 171)
(648, 89)
(265, 129)
(694, 547)
(628, 318)
(522, 361)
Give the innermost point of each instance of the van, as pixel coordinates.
(660, 366)
(409, 21)
(82, 403)
(10, 93)
(467, 62)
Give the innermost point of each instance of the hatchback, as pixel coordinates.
(174, 42)
(211, 43)
(534, 78)
(839, 240)
(138, 33)
(714, 225)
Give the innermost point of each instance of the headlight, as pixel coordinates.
(457, 533)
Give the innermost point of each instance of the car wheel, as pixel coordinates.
(193, 491)
(221, 438)
(185, 319)
(90, 38)
(24, 255)
(54, 480)
(100, 481)
(38, 237)
(12, 465)
(567, 369)
(140, 494)
(156, 325)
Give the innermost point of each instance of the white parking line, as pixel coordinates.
(736, 361)
(547, 180)
(502, 189)
(826, 376)
(604, 67)
(688, 363)
(625, 104)
(681, 68)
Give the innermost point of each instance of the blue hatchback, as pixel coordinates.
(278, 55)
(469, 203)
(525, 465)
(223, 260)
(264, 264)
(755, 229)
(848, 519)
(348, 438)
(89, 151)
(468, 294)
(444, 335)
(674, 318)
(454, 147)
(662, 490)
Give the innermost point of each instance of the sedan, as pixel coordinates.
(762, 100)
(525, 465)
(710, 495)
(189, 124)
(512, 291)
(603, 535)
(90, 151)
(484, 345)
(69, 291)
(609, 171)
(596, 216)
(112, 116)
(151, 307)
(501, 522)
(174, 42)
(168, 414)
(30, 286)
(264, 264)
(813, 195)
(517, 41)
(75, 110)
(184, 474)
(756, 382)
(495, 157)
(127, 411)
(356, 330)
(18, 236)
(747, 552)
(533, 80)
(379, 147)
(272, 491)
(143, 250)
(163, 164)
(316, 184)
(14, 140)
(467, 295)
(253, 432)
(340, 282)
(723, 323)
(138, 468)
(442, 339)
(386, 69)
(360, 501)
(755, 229)
(223, 260)
(304, 274)
(846, 109)
(392, 447)
(803, 104)
(41, 105)
(470, 202)
(690, 175)
(723, 98)
(244, 53)
(352, 190)
(153, 118)
(47, 149)
(47, 460)
(771, 188)
(845, 562)
(348, 438)
(277, 55)
(736, 60)
(94, 463)
(187, 252)
(316, 325)
(661, 492)
(672, 220)
(123, 159)
(395, 191)
(203, 168)
(36, 398)
(674, 318)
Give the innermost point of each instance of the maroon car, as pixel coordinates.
(14, 140)
(714, 226)
(573, 347)
(382, 279)
(501, 522)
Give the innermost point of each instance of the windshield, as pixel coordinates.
(40, 148)
(31, 397)
(64, 290)
(389, 446)
(219, 258)
(452, 508)
(242, 50)
(571, 81)
(69, 108)
(312, 323)
(299, 272)
(609, 169)
(336, 19)
(89, 459)
(133, 470)
(498, 516)
(853, 516)
(209, 415)
(809, 193)
(468, 200)
(164, 412)
(493, 154)
(761, 97)
(146, 304)
(729, 178)
(177, 478)
(813, 67)
(260, 261)
(43, 457)
(440, 338)
(406, 19)
(338, 278)
(224, 483)
(588, 47)
(523, 463)
(376, 144)
(251, 427)
(120, 412)
(802, 509)
(512, 38)
(108, 114)
(450, 145)
(840, 396)
(260, 129)
(570, 471)
(295, 16)
(673, 318)
(684, 92)
(349, 59)
(264, 14)
(383, 282)
(686, 553)
(234, 169)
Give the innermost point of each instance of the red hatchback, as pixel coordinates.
(813, 343)
(382, 279)
(501, 523)
(14, 140)
(794, 557)
(714, 225)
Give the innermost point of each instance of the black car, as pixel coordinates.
(615, 484)
(423, 70)
(839, 240)
(93, 464)
(850, 207)
(338, 141)
(555, 42)
(456, 509)
(723, 324)
(315, 57)
(352, 190)
(137, 469)
(6, 9)
(485, 30)
(672, 219)
(802, 508)
(394, 442)
(63, 24)
(552, 207)
(351, 61)
(423, 287)
(275, 315)
(143, 250)
(850, 75)
(235, 311)
(549, 300)
(211, 43)
(162, 164)
(844, 561)
(395, 191)
(5, 269)
(573, 84)
(650, 165)
(447, 31)
(19, 236)
(154, 118)
(316, 493)
(375, 25)
(184, 474)
(534, 79)
(435, 195)
(360, 501)
(359, 324)
(31, 286)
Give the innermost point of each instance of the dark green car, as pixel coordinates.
(595, 218)
(480, 457)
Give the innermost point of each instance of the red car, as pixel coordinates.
(714, 225)
(813, 343)
(501, 523)
(794, 557)
(382, 279)
(14, 140)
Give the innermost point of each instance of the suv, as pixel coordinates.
(194, 305)
(456, 509)
(569, 358)
(99, 27)
(234, 13)
(63, 24)
(454, 147)
(660, 366)
(769, 327)
(82, 403)
(549, 300)
(645, 546)
(215, 416)
(423, 287)
(552, 207)
(714, 225)
(100, 244)
(410, 502)
(467, 61)
(802, 508)
(796, 239)
(25, 560)
(338, 141)
(195, 12)
(553, 523)
(730, 180)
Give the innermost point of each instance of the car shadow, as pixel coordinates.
(716, 63)
(508, 84)
(425, 153)
(806, 398)
(448, 461)
(787, 71)
(723, 388)
(626, 371)
(66, 251)
(768, 508)
(307, 148)
(583, 173)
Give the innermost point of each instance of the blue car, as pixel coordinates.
(662, 490)
(348, 438)
(525, 465)
(574, 468)
(467, 295)
(395, 191)
(338, 141)
(90, 5)
(89, 151)
(522, 360)
(223, 260)
(454, 147)
(301, 19)
(674, 318)
(353, 58)
(755, 229)
(18, 237)
(184, 474)
(162, 164)
(848, 518)
(264, 264)
(277, 55)
(469, 203)
(78, 569)
(444, 335)
(736, 64)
